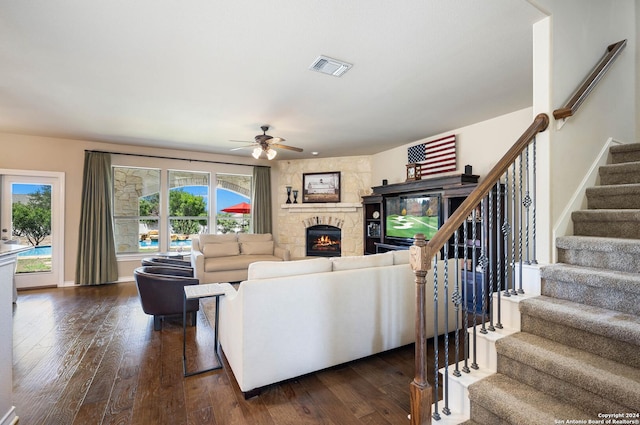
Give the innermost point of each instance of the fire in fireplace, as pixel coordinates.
(323, 241)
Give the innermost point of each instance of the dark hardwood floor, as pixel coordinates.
(90, 356)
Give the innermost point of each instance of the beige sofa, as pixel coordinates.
(226, 258)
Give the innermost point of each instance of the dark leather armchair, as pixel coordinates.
(163, 262)
(161, 290)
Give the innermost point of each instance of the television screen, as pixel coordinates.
(407, 215)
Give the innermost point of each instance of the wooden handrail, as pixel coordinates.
(422, 253)
(539, 124)
(591, 81)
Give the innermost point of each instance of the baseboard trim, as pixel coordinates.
(10, 418)
(70, 283)
(564, 224)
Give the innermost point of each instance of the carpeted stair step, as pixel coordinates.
(603, 332)
(617, 196)
(625, 153)
(603, 288)
(607, 223)
(500, 399)
(625, 173)
(601, 252)
(587, 381)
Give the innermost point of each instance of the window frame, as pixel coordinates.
(137, 218)
(165, 164)
(170, 218)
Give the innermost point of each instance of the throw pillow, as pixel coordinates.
(221, 249)
(254, 237)
(257, 248)
(207, 238)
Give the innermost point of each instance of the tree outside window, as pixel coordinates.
(32, 220)
(188, 207)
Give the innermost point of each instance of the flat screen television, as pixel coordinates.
(406, 215)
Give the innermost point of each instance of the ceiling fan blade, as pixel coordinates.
(291, 148)
(243, 147)
(275, 140)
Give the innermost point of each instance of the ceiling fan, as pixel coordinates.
(265, 143)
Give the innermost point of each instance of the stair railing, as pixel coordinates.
(503, 206)
(574, 102)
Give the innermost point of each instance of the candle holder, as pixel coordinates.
(288, 194)
(295, 196)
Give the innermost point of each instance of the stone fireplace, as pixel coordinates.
(300, 219)
(292, 220)
(323, 241)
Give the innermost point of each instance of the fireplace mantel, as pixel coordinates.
(322, 207)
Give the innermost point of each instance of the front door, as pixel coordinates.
(31, 215)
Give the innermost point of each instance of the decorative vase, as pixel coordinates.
(295, 196)
(288, 194)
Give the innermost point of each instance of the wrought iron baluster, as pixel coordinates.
(456, 299)
(436, 382)
(514, 224)
(490, 242)
(520, 228)
(482, 262)
(506, 230)
(527, 204)
(465, 301)
(446, 409)
(535, 200)
(499, 231)
(474, 286)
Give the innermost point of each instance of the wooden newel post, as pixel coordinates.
(420, 390)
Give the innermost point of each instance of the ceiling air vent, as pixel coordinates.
(330, 66)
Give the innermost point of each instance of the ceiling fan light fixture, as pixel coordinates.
(266, 143)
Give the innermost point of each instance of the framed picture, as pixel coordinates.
(321, 187)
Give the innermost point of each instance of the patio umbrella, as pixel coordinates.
(241, 208)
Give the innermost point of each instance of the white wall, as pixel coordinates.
(480, 145)
(576, 36)
(637, 28)
(580, 32)
(65, 155)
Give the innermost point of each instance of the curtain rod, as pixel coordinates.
(175, 158)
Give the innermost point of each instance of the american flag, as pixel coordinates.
(436, 156)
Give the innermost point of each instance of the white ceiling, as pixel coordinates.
(195, 74)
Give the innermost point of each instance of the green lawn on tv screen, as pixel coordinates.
(406, 226)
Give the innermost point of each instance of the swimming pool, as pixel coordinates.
(37, 251)
(154, 243)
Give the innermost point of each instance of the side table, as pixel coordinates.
(192, 292)
(171, 254)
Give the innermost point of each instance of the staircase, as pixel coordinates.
(578, 352)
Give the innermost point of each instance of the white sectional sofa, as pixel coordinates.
(292, 318)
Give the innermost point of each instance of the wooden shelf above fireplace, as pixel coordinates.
(322, 207)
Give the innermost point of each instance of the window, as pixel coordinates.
(160, 209)
(233, 203)
(136, 209)
(188, 207)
